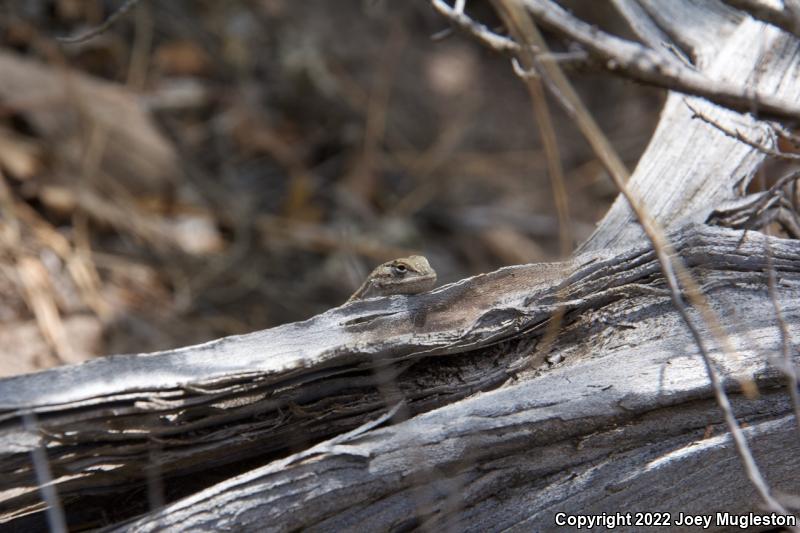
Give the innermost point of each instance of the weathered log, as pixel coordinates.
(627, 362)
(623, 424)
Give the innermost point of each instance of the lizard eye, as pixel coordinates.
(400, 269)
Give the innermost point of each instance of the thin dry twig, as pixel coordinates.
(770, 199)
(648, 31)
(102, 28)
(786, 364)
(476, 29)
(35, 281)
(140, 53)
(633, 60)
(765, 12)
(562, 90)
(44, 478)
(673, 269)
(736, 134)
(629, 59)
(784, 133)
(525, 31)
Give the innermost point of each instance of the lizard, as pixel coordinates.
(407, 275)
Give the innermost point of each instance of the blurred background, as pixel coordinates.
(209, 168)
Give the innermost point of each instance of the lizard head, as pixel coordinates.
(407, 275)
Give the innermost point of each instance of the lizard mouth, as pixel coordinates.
(411, 285)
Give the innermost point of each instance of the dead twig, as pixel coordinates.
(648, 31)
(643, 64)
(673, 269)
(102, 28)
(736, 134)
(477, 30)
(44, 478)
(746, 214)
(629, 59)
(525, 31)
(763, 11)
(785, 364)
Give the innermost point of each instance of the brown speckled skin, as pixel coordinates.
(407, 275)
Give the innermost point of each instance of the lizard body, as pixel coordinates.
(407, 275)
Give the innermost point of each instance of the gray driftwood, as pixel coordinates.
(487, 428)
